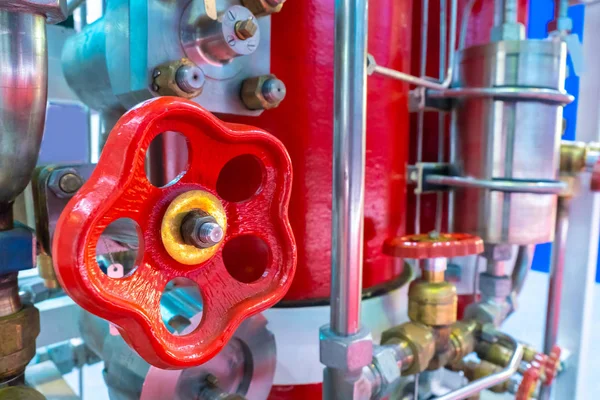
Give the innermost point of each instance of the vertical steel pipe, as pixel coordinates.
(556, 279)
(23, 88)
(349, 140)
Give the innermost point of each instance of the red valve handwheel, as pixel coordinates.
(118, 188)
(551, 365)
(423, 246)
(530, 379)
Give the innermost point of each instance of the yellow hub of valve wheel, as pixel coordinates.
(171, 226)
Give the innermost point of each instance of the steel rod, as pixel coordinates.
(349, 140)
(556, 278)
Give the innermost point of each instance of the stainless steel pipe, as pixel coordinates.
(349, 141)
(556, 278)
(24, 86)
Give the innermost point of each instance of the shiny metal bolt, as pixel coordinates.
(210, 233)
(246, 29)
(201, 230)
(189, 78)
(70, 183)
(274, 90)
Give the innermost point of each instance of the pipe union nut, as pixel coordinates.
(497, 252)
(348, 353)
(494, 286)
(384, 359)
(420, 340)
(263, 7)
(17, 347)
(432, 304)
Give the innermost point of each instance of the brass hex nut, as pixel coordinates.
(164, 80)
(420, 340)
(263, 7)
(17, 346)
(253, 93)
(433, 304)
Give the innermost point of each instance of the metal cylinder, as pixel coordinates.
(510, 140)
(24, 81)
(349, 137)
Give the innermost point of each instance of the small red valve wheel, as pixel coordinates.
(194, 228)
(433, 245)
(530, 379)
(551, 365)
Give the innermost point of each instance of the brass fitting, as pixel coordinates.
(263, 7)
(420, 340)
(432, 304)
(20, 393)
(17, 346)
(572, 157)
(462, 339)
(180, 78)
(474, 371)
(46, 271)
(262, 92)
(500, 355)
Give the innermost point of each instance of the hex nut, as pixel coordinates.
(497, 252)
(420, 340)
(17, 347)
(64, 182)
(348, 353)
(384, 359)
(261, 8)
(485, 313)
(164, 80)
(494, 286)
(253, 95)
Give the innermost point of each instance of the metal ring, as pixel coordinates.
(500, 185)
(508, 93)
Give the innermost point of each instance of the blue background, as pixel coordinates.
(540, 13)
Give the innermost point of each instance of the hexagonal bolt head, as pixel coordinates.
(65, 182)
(346, 353)
(263, 92)
(261, 8)
(181, 78)
(494, 286)
(201, 230)
(17, 347)
(246, 29)
(384, 359)
(497, 252)
(420, 340)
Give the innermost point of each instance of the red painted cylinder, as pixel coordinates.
(302, 53)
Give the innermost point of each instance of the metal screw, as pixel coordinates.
(201, 230)
(246, 29)
(70, 183)
(155, 87)
(156, 73)
(189, 78)
(231, 40)
(231, 15)
(274, 90)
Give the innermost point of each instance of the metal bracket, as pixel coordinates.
(418, 173)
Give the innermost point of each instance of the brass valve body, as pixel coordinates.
(18, 332)
(432, 303)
